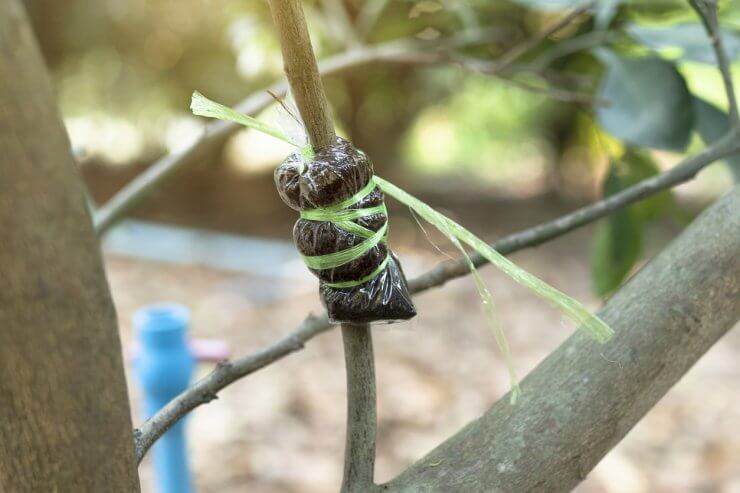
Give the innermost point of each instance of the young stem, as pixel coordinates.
(303, 72)
(303, 75)
(359, 453)
(707, 11)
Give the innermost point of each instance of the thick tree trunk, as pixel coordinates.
(64, 414)
(579, 402)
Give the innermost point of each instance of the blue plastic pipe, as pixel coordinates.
(164, 366)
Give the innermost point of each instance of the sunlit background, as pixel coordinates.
(499, 153)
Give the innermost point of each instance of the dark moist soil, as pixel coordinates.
(332, 176)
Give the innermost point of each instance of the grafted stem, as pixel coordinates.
(303, 75)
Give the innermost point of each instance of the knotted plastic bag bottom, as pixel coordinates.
(385, 298)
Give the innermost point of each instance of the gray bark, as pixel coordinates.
(64, 413)
(359, 451)
(584, 398)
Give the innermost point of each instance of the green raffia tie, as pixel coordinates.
(459, 235)
(342, 217)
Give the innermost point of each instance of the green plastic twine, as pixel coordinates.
(577, 312)
(343, 217)
(339, 214)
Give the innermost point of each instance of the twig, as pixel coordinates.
(684, 171)
(707, 10)
(475, 36)
(303, 75)
(488, 67)
(559, 94)
(573, 45)
(204, 390)
(359, 452)
(508, 59)
(224, 374)
(215, 134)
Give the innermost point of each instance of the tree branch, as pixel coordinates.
(684, 171)
(579, 402)
(707, 11)
(303, 75)
(204, 390)
(225, 373)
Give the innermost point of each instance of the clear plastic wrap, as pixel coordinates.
(342, 234)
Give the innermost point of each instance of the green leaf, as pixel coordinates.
(690, 38)
(617, 242)
(648, 103)
(711, 124)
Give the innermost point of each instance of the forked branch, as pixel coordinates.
(426, 471)
(204, 390)
(303, 75)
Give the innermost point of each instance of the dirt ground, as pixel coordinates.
(282, 428)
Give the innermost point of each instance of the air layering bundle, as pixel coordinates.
(343, 229)
(342, 234)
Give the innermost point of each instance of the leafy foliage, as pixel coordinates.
(690, 38)
(637, 165)
(617, 243)
(648, 102)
